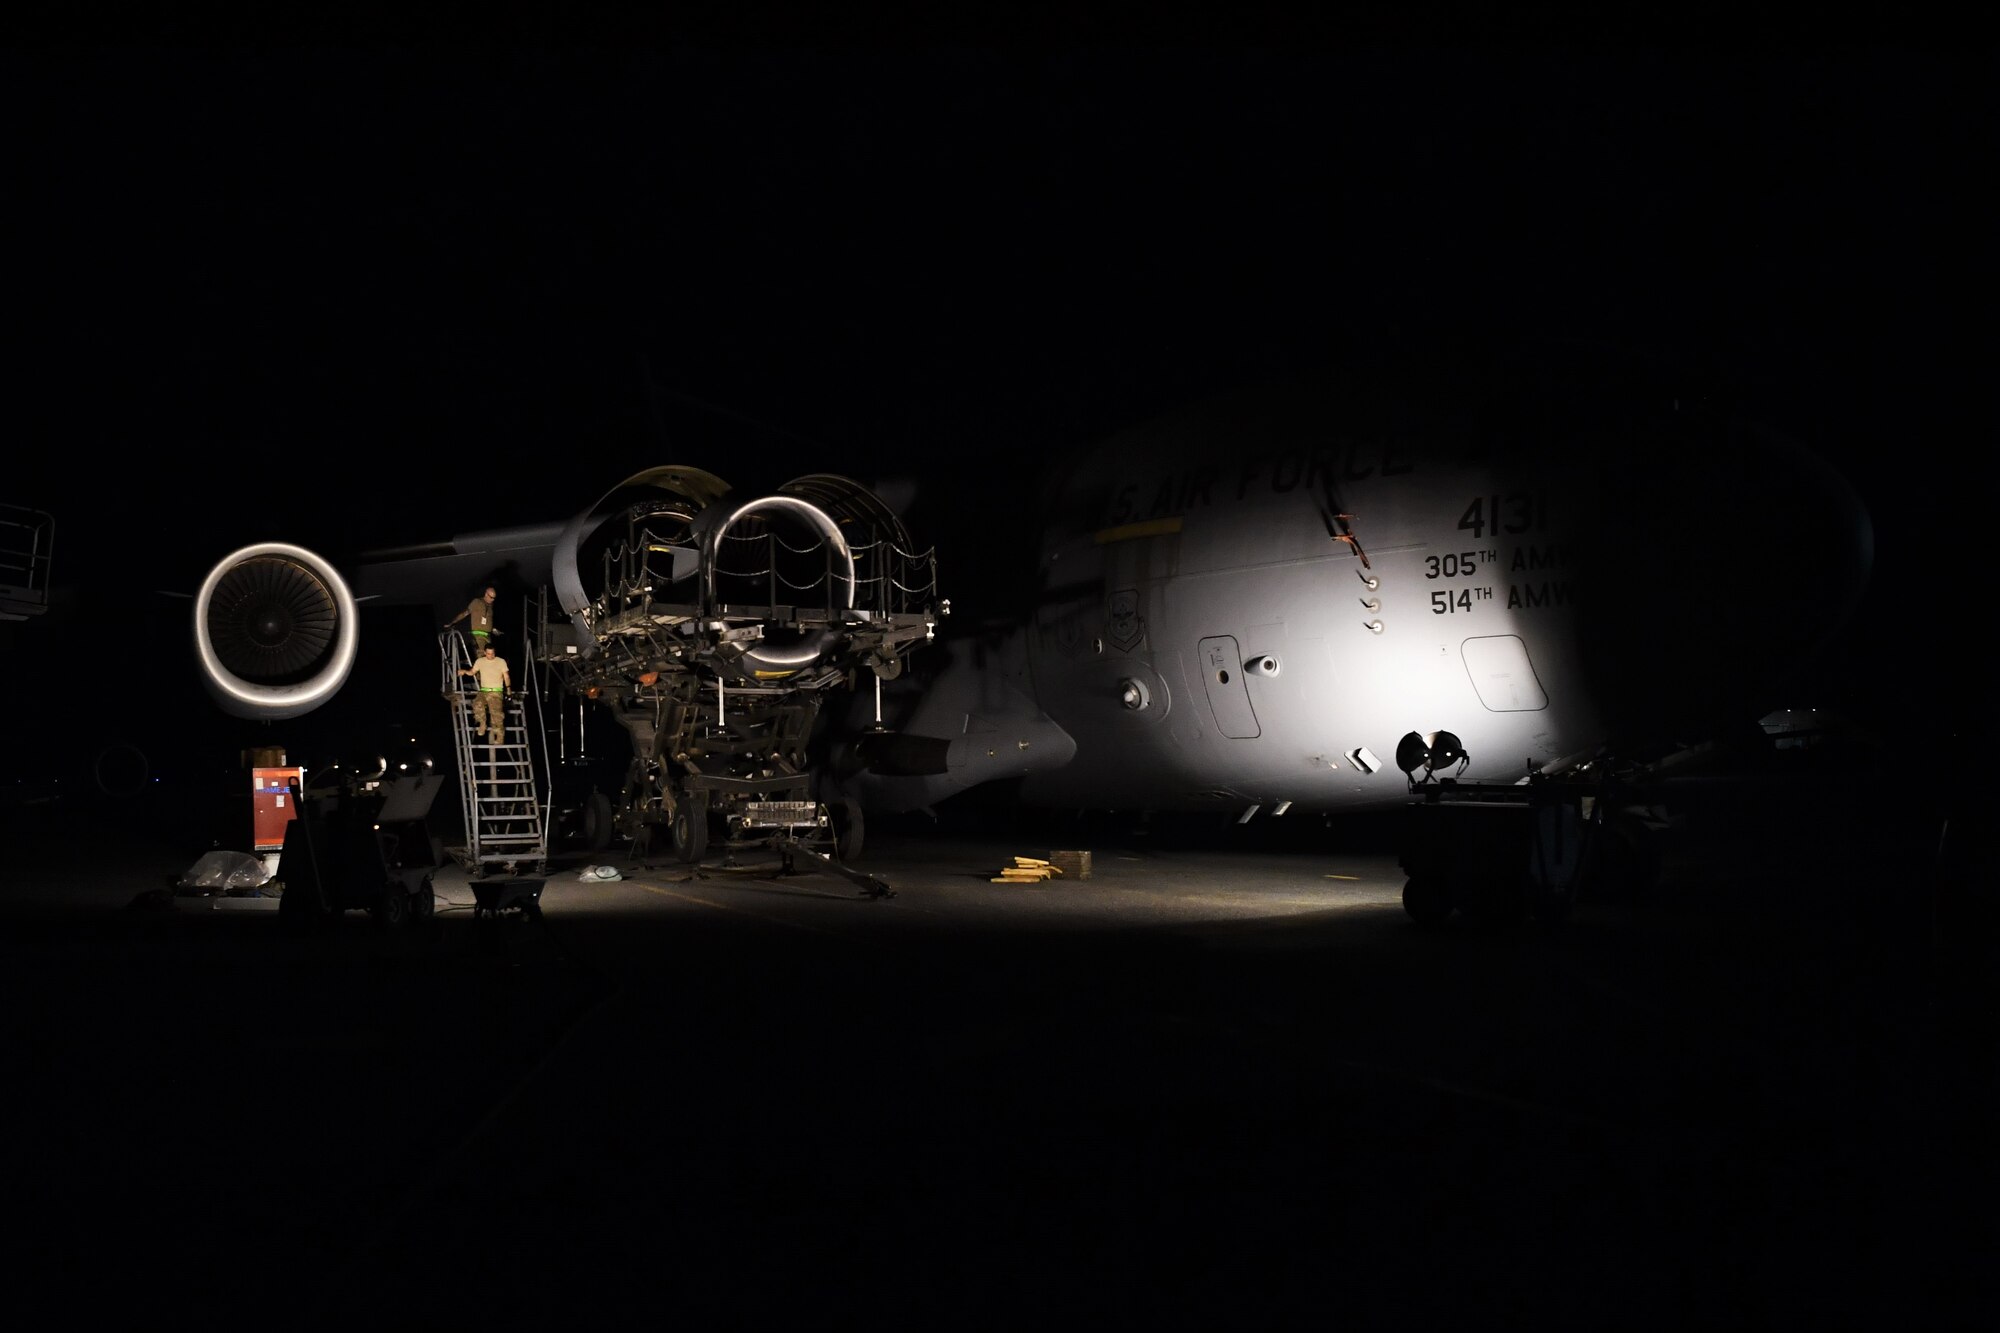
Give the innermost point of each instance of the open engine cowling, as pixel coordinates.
(799, 595)
(276, 631)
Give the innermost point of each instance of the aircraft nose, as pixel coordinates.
(1730, 558)
(1799, 541)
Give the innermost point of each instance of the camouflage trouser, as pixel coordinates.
(489, 710)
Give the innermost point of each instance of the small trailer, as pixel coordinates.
(495, 895)
(1497, 853)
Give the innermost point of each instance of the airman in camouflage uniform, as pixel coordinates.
(489, 706)
(480, 612)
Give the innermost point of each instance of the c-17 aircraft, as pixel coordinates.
(1286, 600)
(1549, 559)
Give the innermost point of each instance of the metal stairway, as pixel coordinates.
(27, 538)
(502, 788)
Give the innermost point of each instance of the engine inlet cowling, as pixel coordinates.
(275, 630)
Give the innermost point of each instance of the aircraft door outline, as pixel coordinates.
(1220, 662)
(1502, 674)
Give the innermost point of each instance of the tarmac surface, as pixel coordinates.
(1223, 1081)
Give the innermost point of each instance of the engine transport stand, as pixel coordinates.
(1497, 853)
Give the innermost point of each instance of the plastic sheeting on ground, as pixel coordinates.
(224, 872)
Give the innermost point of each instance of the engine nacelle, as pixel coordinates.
(275, 631)
(817, 578)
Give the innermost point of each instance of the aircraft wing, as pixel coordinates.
(449, 571)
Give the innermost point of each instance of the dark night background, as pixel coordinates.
(375, 292)
(378, 285)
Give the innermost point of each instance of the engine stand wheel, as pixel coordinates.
(849, 829)
(597, 825)
(691, 827)
(392, 908)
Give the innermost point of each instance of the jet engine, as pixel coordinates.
(275, 629)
